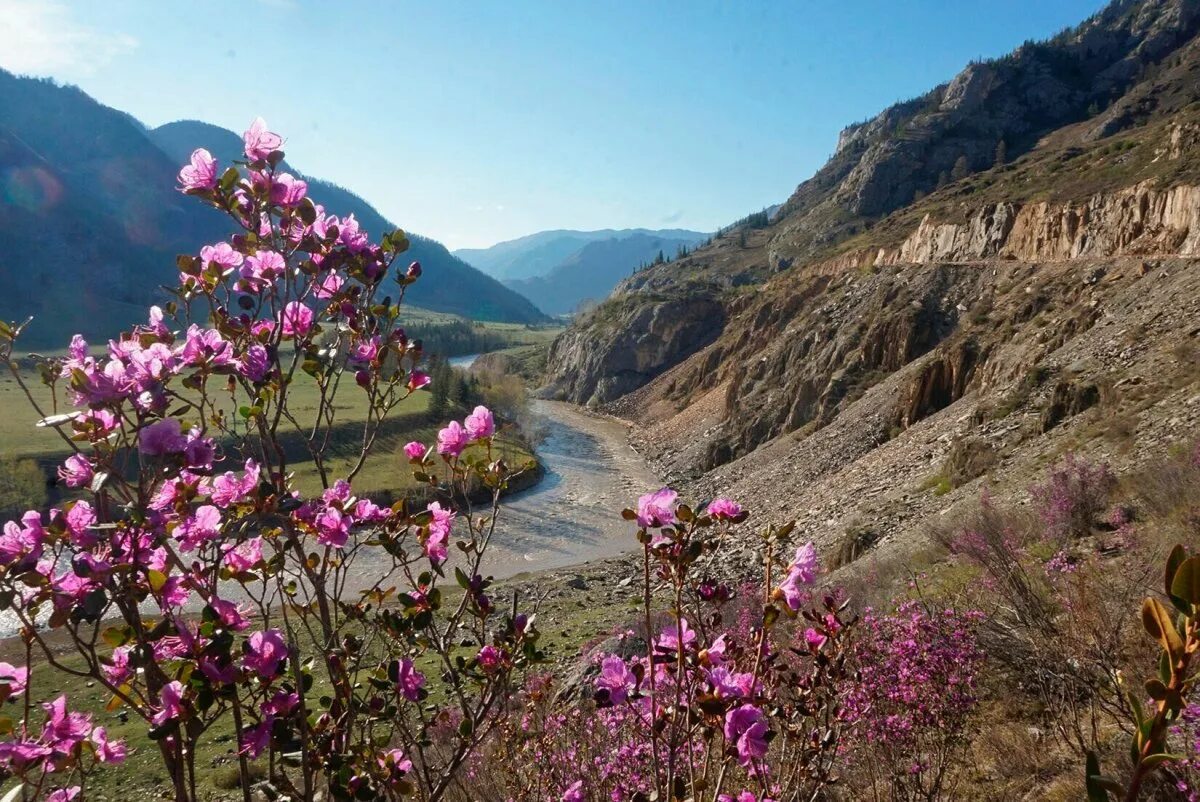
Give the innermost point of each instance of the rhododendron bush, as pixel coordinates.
(189, 579)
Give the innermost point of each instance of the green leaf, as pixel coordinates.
(1151, 762)
(1186, 583)
(1095, 789)
(1174, 560)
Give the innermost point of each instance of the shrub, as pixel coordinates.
(1073, 496)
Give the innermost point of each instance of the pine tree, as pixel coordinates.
(961, 169)
(1001, 153)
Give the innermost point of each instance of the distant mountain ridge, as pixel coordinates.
(590, 273)
(539, 253)
(91, 221)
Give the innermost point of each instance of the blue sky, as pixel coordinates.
(483, 121)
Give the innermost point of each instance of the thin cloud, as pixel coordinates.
(674, 217)
(39, 37)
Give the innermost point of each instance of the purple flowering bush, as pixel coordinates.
(190, 580)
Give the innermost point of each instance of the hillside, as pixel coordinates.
(590, 273)
(1037, 305)
(88, 213)
(449, 283)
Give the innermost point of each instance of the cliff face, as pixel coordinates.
(1052, 104)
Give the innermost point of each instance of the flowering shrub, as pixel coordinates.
(190, 579)
(912, 702)
(1074, 495)
(702, 702)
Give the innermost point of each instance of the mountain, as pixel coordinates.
(591, 272)
(91, 222)
(449, 284)
(539, 254)
(89, 217)
(931, 299)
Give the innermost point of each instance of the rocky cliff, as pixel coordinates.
(921, 182)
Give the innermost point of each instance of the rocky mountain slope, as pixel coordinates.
(894, 336)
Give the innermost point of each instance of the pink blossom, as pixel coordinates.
(724, 509)
(255, 363)
(415, 450)
(615, 678)
(245, 556)
(259, 142)
(229, 489)
(223, 255)
(265, 652)
(161, 438)
(65, 794)
(728, 684)
(107, 751)
(801, 572)
(489, 658)
(63, 729)
(13, 679)
(262, 269)
(480, 423)
(395, 763)
(453, 439)
(296, 319)
(409, 681)
(76, 471)
(333, 527)
(204, 524)
(328, 286)
(746, 728)
(657, 508)
(287, 190)
(417, 379)
(170, 701)
(440, 524)
(814, 639)
(200, 173)
(670, 638)
(574, 793)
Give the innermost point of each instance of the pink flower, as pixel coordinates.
(161, 438)
(574, 793)
(107, 751)
(615, 678)
(328, 286)
(65, 794)
(296, 319)
(170, 701)
(814, 639)
(728, 684)
(440, 524)
(669, 640)
(200, 174)
(204, 524)
(414, 450)
(245, 556)
(262, 269)
(265, 652)
(409, 681)
(229, 489)
(287, 190)
(395, 764)
(223, 255)
(657, 508)
(333, 527)
(489, 658)
(724, 509)
(480, 423)
(76, 471)
(801, 572)
(452, 439)
(417, 380)
(255, 363)
(746, 727)
(259, 141)
(13, 680)
(206, 347)
(64, 729)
